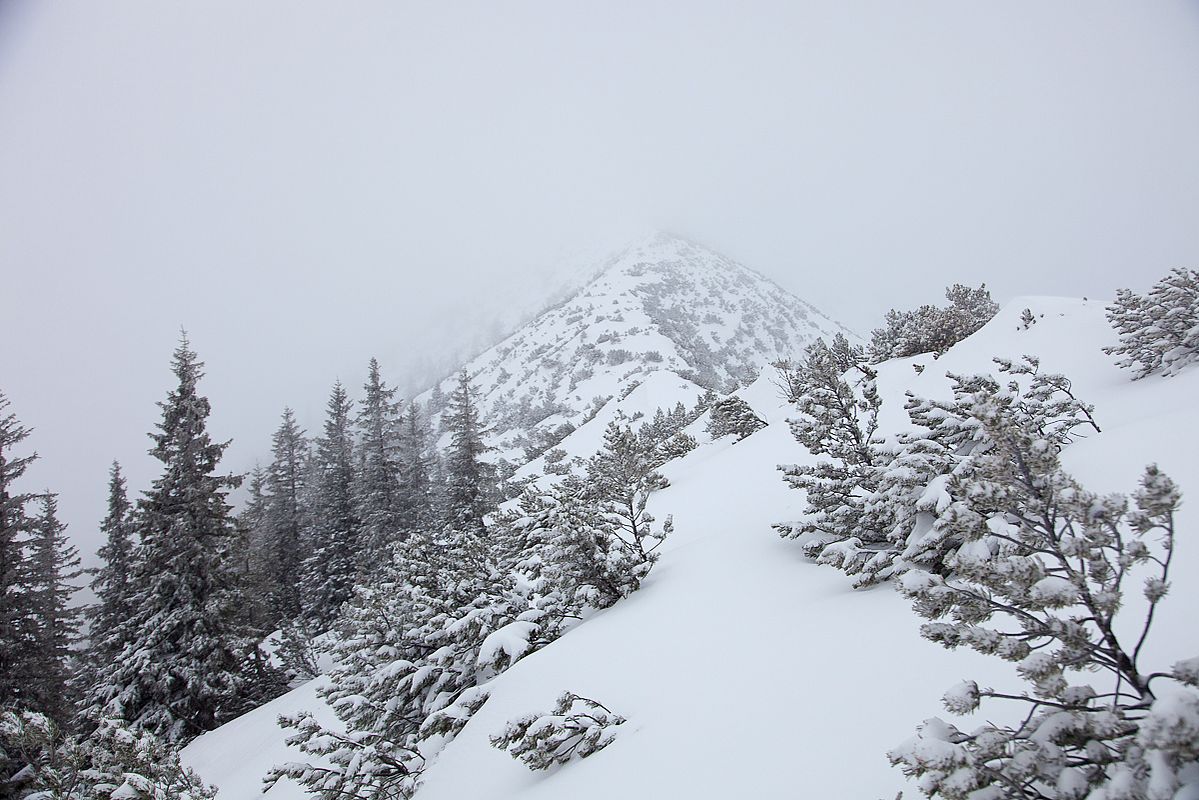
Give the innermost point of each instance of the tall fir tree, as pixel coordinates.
(112, 583)
(414, 457)
(284, 517)
(184, 670)
(15, 525)
(330, 570)
(378, 491)
(469, 488)
(53, 565)
(251, 559)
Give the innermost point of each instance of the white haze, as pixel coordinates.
(304, 185)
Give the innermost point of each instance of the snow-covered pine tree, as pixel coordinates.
(250, 558)
(889, 520)
(112, 583)
(470, 491)
(620, 478)
(378, 488)
(733, 416)
(184, 670)
(1159, 332)
(330, 569)
(15, 525)
(114, 762)
(578, 727)
(414, 457)
(838, 420)
(284, 520)
(53, 564)
(592, 541)
(1040, 576)
(414, 646)
(929, 329)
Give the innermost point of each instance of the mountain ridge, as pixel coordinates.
(662, 303)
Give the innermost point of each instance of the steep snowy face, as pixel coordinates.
(663, 304)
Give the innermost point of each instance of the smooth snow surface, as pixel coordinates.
(746, 672)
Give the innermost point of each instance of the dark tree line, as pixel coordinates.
(187, 591)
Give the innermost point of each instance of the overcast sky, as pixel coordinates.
(306, 184)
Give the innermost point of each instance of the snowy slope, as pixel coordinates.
(745, 671)
(661, 305)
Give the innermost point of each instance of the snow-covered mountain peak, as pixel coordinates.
(663, 304)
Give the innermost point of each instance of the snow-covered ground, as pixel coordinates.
(745, 671)
(663, 305)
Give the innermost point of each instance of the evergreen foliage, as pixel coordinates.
(39, 762)
(929, 329)
(593, 540)
(875, 509)
(413, 649)
(417, 643)
(112, 583)
(186, 668)
(1159, 331)
(329, 571)
(470, 481)
(378, 488)
(52, 566)
(576, 728)
(733, 416)
(284, 518)
(1041, 574)
(15, 525)
(415, 457)
(251, 558)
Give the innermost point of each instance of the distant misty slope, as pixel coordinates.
(664, 304)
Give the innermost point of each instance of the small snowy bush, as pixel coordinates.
(39, 762)
(1159, 332)
(576, 728)
(732, 415)
(929, 329)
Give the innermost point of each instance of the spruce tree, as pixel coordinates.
(378, 481)
(15, 525)
(112, 583)
(470, 489)
(283, 517)
(414, 456)
(252, 559)
(183, 671)
(53, 563)
(330, 570)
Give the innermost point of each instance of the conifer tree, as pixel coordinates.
(470, 489)
(251, 558)
(283, 517)
(929, 329)
(15, 525)
(378, 481)
(732, 415)
(414, 456)
(53, 563)
(112, 583)
(183, 671)
(1159, 331)
(594, 538)
(331, 567)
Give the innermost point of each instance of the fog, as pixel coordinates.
(303, 185)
